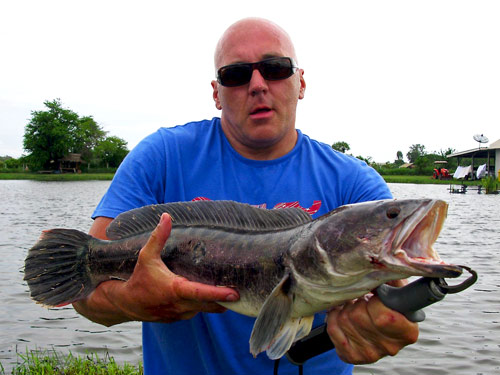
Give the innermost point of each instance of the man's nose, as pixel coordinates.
(257, 83)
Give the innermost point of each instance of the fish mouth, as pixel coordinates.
(410, 243)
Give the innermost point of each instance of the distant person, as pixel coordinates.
(254, 154)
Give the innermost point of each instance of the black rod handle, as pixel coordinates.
(410, 299)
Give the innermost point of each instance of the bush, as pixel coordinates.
(387, 171)
(490, 184)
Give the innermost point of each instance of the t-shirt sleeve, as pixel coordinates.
(139, 181)
(368, 185)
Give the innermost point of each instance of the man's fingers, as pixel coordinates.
(191, 290)
(365, 330)
(159, 236)
(392, 323)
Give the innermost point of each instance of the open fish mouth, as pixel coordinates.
(412, 240)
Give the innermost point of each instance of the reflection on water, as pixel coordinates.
(461, 334)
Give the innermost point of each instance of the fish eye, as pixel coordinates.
(393, 212)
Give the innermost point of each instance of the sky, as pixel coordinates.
(381, 75)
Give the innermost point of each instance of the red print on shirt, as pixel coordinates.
(311, 210)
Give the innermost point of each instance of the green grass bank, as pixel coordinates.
(56, 177)
(404, 179)
(54, 363)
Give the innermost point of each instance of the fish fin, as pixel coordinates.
(274, 314)
(305, 326)
(293, 330)
(56, 267)
(216, 214)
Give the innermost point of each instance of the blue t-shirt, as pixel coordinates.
(196, 161)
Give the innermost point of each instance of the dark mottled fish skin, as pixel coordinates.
(228, 229)
(252, 264)
(285, 266)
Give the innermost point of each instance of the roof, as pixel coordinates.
(72, 157)
(481, 152)
(495, 145)
(406, 165)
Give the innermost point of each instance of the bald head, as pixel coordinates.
(247, 31)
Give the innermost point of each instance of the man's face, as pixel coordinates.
(259, 116)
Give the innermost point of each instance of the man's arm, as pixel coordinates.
(153, 293)
(365, 330)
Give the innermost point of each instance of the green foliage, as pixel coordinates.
(444, 153)
(367, 160)
(111, 151)
(341, 147)
(422, 163)
(490, 184)
(8, 163)
(87, 136)
(54, 133)
(53, 363)
(104, 176)
(399, 159)
(402, 179)
(416, 151)
(48, 135)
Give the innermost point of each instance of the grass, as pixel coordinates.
(407, 179)
(56, 177)
(424, 180)
(54, 363)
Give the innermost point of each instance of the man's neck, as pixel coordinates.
(263, 152)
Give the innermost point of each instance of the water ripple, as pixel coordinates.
(461, 334)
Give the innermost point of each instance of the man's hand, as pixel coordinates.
(153, 292)
(365, 330)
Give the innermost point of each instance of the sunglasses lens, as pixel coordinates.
(276, 69)
(235, 75)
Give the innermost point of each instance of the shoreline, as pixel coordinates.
(401, 179)
(57, 176)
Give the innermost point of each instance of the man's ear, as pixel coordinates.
(302, 89)
(215, 95)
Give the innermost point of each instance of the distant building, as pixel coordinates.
(491, 154)
(407, 165)
(70, 163)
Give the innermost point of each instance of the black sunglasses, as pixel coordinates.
(273, 69)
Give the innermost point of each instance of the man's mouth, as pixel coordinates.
(260, 110)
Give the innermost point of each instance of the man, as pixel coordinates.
(252, 154)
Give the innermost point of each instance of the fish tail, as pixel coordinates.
(56, 268)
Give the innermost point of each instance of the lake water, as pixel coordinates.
(461, 334)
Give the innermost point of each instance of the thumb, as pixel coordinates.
(158, 237)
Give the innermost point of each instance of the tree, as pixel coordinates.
(416, 151)
(52, 134)
(444, 153)
(367, 160)
(341, 146)
(421, 163)
(87, 136)
(47, 136)
(399, 161)
(111, 151)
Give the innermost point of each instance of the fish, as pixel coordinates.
(285, 265)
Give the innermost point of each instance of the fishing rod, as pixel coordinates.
(408, 300)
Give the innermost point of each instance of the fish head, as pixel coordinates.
(394, 237)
